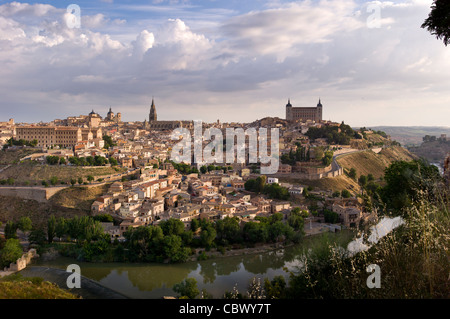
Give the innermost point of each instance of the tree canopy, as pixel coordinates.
(438, 21)
(407, 182)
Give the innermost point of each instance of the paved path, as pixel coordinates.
(335, 164)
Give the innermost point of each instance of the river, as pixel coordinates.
(216, 276)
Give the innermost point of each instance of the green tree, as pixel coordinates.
(90, 178)
(275, 288)
(51, 228)
(327, 158)
(330, 216)
(296, 221)
(187, 288)
(144, 243)
(438, 21)
(276, 191)
(104, 218)
(195, 225)
(172, 227)
(279, 231)
(255, 232)
(406, 182)
(10, 230)
(228, 230)
(113, 161)
(108, 141)
(174, 249)
(54, 180)
(362, 180)
(336, 194)
(25, 224)
(37, 236)
(208, 235)
(352, 173)
(61, 227)
(345, 193)
(10, 252)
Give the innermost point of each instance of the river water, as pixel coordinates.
(217, 275)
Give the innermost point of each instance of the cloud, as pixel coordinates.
(241, 67)
(282, 30)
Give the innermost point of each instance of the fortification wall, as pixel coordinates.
(40, 194)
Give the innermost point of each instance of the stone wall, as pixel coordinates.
(40, 194)
(22, 262)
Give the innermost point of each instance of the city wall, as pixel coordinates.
(40, 194)
(22, 262)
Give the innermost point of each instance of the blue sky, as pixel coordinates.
(369, 61)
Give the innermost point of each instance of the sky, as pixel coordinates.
(370, 63)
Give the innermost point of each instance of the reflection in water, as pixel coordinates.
(216, 275)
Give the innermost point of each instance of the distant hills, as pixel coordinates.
(412, 135)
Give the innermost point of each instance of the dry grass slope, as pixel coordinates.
(35, 173)
(371, 163)
(78, 197)
(35, 289)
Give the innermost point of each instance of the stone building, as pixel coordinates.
(304, 114)
(48, 136)
(154, 124)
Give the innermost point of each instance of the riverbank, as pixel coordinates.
(258, 249)
(90, 289)
(216, 274)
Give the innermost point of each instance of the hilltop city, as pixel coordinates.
(322, 170)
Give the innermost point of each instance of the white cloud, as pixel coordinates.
(241, 68)
(143, 43)
(10, 29)
(280, 31)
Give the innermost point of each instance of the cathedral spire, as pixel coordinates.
(153, 116)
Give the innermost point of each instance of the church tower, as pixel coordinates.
(319, 112)
(153, 117)
(289, 111)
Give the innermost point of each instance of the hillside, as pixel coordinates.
(412, 135)
(433, 151)
(328, 184)
(15, 287)
(70, 202)
(80, 198)
(12, 208)
(33, 173)
(11, 157)
(368, 162)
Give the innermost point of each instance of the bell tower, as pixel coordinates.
(319, 111)
(152, 116)
(289, 111)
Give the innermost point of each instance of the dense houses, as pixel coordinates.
(158, 191)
